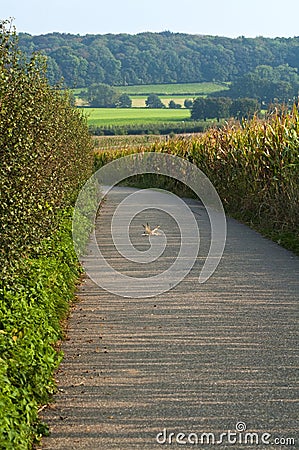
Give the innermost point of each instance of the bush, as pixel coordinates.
(124, 101)
(188, 103)
(45, 153)
(45, 157)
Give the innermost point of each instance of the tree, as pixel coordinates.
(102, 96)
(198, 111)
(53, 73)
(210, 108)
(244, 108)
(153, 101)
(267, 84)
(173, 105)
(217, 107)
(188, 103)
(124, 101)
(72, 66)
(149, 58)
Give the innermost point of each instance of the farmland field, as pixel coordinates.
(129, 116)
(256, 148)
(138, 101)
(188, 89)
(167, 92)
(103, 143)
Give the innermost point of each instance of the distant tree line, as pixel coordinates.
(267, 84)
(151, 58)
(223, 108)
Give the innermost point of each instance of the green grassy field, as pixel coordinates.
(129, 116)
(176, 92)
(188, 89)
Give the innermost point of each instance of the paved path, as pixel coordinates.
(199, 358)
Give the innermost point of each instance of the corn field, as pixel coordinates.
(254, 166)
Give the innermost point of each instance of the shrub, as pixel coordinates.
(45, 153)
(45, 157)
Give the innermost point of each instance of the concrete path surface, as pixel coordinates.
(216, 362)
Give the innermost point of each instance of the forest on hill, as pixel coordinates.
(150, 58)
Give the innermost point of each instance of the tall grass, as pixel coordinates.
(254, 167)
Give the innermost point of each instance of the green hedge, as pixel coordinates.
(45, 157)
(45, 153)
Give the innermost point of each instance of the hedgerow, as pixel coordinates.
(45, 157)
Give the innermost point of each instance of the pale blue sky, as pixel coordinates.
(230, 18)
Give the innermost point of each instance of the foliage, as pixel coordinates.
(173, 105)
(268, 84)
(100, 95)
(30, 314)
(243, 108)
(45, 157)
(223, 107)
(211, 107)
(254, 166)
(124, 101)
(147, 58)
(44, 145)
(188, 103)
(153, 101)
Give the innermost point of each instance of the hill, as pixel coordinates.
(151, 58)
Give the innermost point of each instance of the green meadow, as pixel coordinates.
(129, 116)
(185, 89)
(177, 92)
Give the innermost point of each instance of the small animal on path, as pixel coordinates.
(150, 232)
